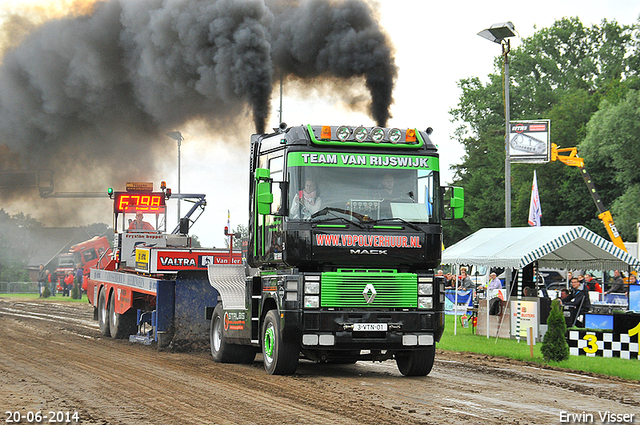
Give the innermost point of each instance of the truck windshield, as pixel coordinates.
(66, 261)
(363, 193)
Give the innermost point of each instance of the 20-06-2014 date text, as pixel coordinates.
(38, 417)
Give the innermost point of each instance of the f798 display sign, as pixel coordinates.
(146, 202)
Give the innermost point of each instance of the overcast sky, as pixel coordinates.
(436, 45)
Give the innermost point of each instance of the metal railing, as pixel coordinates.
(18, 287)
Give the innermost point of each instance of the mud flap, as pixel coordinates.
(165, 302)
(193, 295)
(230, 282)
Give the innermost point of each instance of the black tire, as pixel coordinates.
(103, 313)
(221, 350)
(280, 358)
(416, 363)
(120, 325)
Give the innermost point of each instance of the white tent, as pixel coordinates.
(561, 247)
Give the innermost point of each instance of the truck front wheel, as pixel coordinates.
(280, 358)
(103, 313)
(416, 363)
(221, 350)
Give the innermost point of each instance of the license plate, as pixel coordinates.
(375, 327)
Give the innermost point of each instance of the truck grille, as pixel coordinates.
(349, 288)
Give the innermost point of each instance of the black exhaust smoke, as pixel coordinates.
(96, 93)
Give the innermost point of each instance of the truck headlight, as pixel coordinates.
(425, 288)
(312, 288)
(291, 285)
(311, 301)
(425, 302)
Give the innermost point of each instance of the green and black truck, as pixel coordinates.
(344, 236)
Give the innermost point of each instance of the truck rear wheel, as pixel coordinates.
(120, 325)
(280, 358)
(103, 314)
(416, 363)
(221, 350)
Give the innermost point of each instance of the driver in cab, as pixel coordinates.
(386, 188)
(139, 224)
(307, 201)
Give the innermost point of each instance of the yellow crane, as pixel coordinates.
(569, 156)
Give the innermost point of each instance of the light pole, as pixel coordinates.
(177, 136)
(500, 33)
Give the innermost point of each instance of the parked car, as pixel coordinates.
(553, 277)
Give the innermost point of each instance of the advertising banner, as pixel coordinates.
(530, 141)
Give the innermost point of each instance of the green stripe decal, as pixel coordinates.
(390, 161)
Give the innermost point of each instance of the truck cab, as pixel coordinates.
(344, 231)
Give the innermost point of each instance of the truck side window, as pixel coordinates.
(89, 254)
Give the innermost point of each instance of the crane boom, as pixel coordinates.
(604, 214)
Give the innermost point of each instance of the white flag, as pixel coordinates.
(535, 210)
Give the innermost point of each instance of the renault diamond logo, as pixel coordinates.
(369, 293)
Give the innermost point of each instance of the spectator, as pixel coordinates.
(67, 284)
(618, 284)
(592, 284)
(78, 281)
(579, 299)
(564, 295)
(449, 282)
(633, 280)
(51, 285)
(41, 280)
(494, 282)
(466, 284)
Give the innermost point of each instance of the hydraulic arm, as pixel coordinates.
(604, 214)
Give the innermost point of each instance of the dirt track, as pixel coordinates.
(52, 358)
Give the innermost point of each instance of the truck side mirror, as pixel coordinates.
(453, 204)
(264, 197)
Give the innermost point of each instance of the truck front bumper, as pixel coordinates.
(334, 330)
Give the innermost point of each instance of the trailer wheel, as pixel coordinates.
(280, 358)
(103, 313)
(120, 325)
(221, 350)
(416, 363)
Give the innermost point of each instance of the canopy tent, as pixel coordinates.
(560, 247)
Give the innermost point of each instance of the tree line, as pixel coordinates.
(586, 81)
(20, 242)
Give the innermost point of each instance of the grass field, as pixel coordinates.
(57, 298)
(466, 341)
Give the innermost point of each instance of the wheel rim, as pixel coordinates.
(217, 330)
(269, 341)
(103, 309)
(112, 310)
